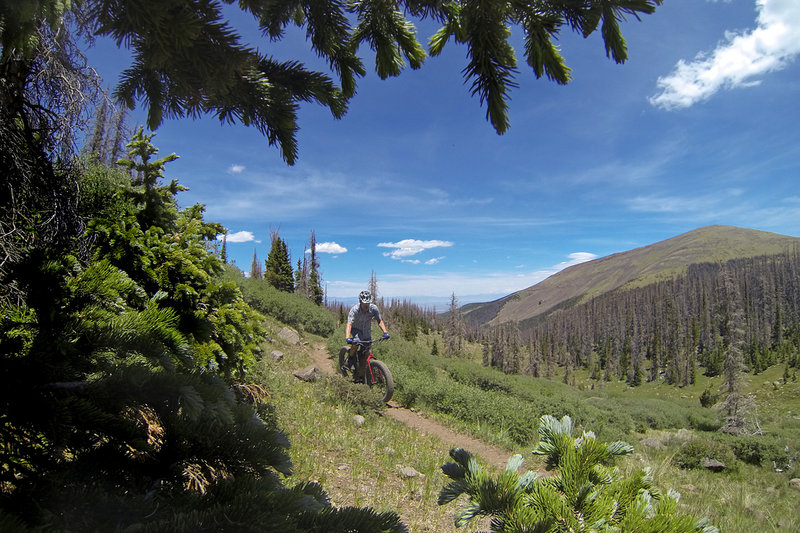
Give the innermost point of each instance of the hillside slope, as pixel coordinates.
(638, 267)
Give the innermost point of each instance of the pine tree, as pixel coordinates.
(121, 132)
(486, 350)
(223, 255)
(734, 338)
(498, 349)
(735, 405)
(637, 374)
(158, 203)
(625, 357)
(278, 266)
(107, 143)
(96, 146)
(315, 292)
(409, 331)
(255, 268)
(514, 346)
(301, 278)
(453, 331)
(372, 286)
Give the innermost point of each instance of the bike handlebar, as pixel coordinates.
(358, 342)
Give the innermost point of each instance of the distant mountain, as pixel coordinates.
(635, 268)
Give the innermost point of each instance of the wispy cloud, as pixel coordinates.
(738, 60)
(783, 214)
(410, 247)
(670, 204)
(256, 197)
(236, 169)
(440, 198)
(239, 236)
(732, 206)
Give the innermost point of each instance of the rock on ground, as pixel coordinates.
(309, 373)
(290, 336)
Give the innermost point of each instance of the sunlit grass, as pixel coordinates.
(357, 464)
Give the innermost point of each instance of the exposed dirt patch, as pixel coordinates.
(493, 455)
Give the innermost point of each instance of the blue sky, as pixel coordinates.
(701, 126)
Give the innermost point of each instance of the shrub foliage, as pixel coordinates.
(585, 493)
(126, 402)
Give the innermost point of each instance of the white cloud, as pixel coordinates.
(434, 261)
(236, 169)
(580, 257)
(409, 247)
(738, 60)
(239, 236)
(329, 248)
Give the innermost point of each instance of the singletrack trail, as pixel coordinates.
(494, 455)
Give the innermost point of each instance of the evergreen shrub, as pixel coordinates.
(692, 454)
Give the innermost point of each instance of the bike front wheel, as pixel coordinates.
(378, 377)
(343, 353)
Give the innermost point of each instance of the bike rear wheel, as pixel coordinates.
(378, 377)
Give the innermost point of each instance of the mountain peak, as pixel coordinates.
(638, 267)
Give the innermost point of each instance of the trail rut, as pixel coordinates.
(493, 455)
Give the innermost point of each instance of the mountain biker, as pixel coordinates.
(359, 322)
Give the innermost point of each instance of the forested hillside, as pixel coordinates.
(748, 308)
(634, 268)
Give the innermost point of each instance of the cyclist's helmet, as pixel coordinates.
(365, 297)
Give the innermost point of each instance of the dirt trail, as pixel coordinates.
(493, 455)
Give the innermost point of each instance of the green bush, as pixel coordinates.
(342, 392)
(288, 308)
(757, 450)
(707, 399)
(703, 420)
(691, 455)
(750, 449)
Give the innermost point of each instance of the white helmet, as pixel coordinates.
(365, 297)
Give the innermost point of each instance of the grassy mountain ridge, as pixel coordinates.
(634, 268)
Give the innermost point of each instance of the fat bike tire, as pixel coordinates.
(343, 353)
(378, 377)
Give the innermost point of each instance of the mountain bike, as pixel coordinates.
(364, 368)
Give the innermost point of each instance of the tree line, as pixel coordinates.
(715, 319)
